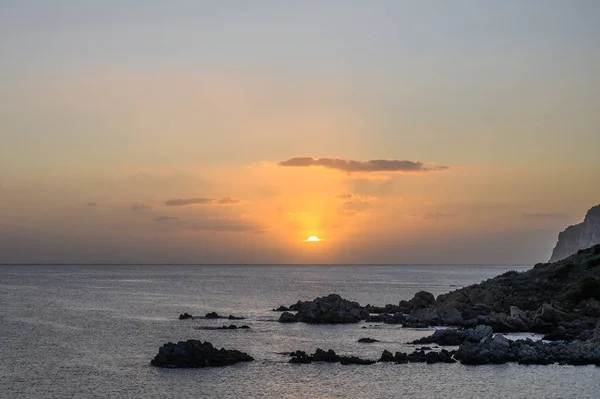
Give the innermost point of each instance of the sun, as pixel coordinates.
(313, 239)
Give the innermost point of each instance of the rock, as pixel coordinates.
(287, 317)
(386, 356)
(347, 360)
(579, 236)
(500, 343)
(185, 316)
(328, 357)
(549, 313)
(212, 315)
(448, 336)
(422, 299)
(500, 350)
(400, 358)
(478, 333)
(331, 309)
(281, 309)
(367, 340)
(396, 318)
(193, 354)
(230, 327)
(235, 318)
(516, 312)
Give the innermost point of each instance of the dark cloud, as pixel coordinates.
(439, 216)
(204, 201)
(166, 218)
(92, 204)
(375, 165)
(344, 196)
(545, 215)
(140, 207)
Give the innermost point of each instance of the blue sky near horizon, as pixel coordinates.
(130, 104)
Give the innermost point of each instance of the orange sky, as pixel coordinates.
(162, 139)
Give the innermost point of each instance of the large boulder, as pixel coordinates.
(287, 317)
(331, 309)
(194, 354)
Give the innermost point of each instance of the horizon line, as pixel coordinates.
(264, 264)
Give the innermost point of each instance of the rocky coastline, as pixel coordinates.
(560, 300)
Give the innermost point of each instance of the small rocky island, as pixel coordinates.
(196, 354)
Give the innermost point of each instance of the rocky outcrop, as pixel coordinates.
(300, 357)
(194, 354)
(229, 327)
(454, 337)
(538, 300)
(185, 316)
(579, 236)
(331, 309)
(498, 350)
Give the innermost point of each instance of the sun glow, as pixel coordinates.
(313, 239)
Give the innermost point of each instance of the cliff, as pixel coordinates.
(579, 236)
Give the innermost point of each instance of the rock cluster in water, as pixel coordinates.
(331, 309)
(328, 357)
(211, 315)
(230, 327)
(196, 354)
(498, 350)
(455, 337)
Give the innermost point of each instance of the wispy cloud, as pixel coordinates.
(228, 224)
(439, 216)
(375, 165)
(166, 218)
(203, 201)
(551, 215)
(92, 204)
(137, 207)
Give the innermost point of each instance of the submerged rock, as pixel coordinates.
(367, 340)
(193, 354)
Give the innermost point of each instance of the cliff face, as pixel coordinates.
(579, 236)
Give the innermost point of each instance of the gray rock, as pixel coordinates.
(478, 333)
(194, 354)
(287, 317)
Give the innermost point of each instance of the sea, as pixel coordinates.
(90, 331)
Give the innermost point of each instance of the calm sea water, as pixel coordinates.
(91, 331)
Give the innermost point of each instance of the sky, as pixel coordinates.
(398, 132)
